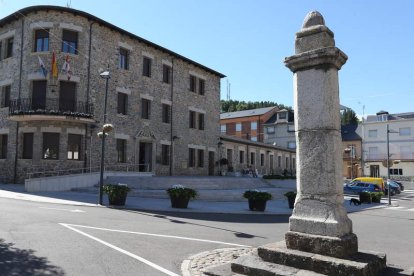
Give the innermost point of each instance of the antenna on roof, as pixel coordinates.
(228, 90)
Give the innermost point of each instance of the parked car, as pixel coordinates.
(399, 184)
(394, 187)
(373, 180)
(359, 187)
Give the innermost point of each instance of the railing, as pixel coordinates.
(393, 156)
(42, 172)
(56, 107)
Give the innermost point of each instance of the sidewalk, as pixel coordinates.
(274, 207)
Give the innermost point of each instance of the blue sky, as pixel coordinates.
(247, 40)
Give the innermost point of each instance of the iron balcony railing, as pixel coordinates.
(393, 156)
(33, 106)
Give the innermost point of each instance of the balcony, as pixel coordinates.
(29, 109)
(404, 156)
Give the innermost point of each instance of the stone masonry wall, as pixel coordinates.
(106, 43)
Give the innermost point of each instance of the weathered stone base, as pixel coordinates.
(360, 263)
(324, 245)
(276, 259)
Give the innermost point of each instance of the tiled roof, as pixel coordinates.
(348, 132)
(246, 113)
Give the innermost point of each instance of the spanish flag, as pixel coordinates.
(54, 66)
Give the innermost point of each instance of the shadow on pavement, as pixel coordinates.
(236, 218)
(14, 261)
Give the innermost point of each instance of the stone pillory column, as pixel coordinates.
(319, 222)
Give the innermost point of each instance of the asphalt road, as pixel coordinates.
(51, 239)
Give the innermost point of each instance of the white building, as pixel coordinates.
(401, 145)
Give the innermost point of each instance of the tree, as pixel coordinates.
(348, 116)
(235, 105)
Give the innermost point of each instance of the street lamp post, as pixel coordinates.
(388, 161)
(350, 149)
(105, 75)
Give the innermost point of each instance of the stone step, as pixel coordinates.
(253, 265)
(359, 264)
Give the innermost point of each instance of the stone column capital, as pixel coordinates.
(323, 58)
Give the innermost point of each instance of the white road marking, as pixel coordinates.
(412, 210)
(157, 235)
(395, 207)
(67, 210)
(121, 250)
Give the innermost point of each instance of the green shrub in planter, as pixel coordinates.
(365, 197)
(291, 196)
(376, 197)
(180, 196)
(117, 193)
(257, 199)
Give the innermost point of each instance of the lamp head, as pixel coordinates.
(105, 75)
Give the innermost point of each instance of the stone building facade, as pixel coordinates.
(164, 107)
(243, 155)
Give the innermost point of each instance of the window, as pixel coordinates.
(166, 113)
(5, 96)
(120, 150)
(41, 41)
(252, 158)
(382, 118)
(193, 81)
(27, 145)
(3, 146)
(191, 157)
(291, 145)
(165, 154)
(279, 161)
(372, 133)
(262, 159)
(146, 109)
(122, 103)
(192, 119)
(201, 86)
(241, 157)
(146, 69)
(253, 138)
(50, 145)
(282, 115)
(74, 146)
(405, 131)
(70, 42)
(9, 49)
(373, 153)
(396, 171)
(291, 128)
(201, 121)
(200, 158)
(166, 73)
(238, 127)
(253, 125)
(270, 130)
(123, 59)
(286, 162)
(67, 96)
(39, 95)
(1, 48)
(223, 128)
